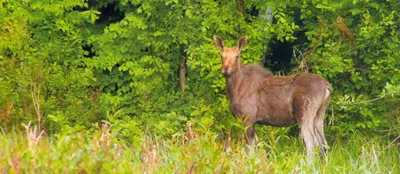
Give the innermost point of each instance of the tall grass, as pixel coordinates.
(187, 152)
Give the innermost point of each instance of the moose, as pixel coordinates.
(259, 97)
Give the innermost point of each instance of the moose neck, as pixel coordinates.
(233, 80)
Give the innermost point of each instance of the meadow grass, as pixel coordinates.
(187, 152)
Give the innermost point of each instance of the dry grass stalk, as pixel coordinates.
(33, 135)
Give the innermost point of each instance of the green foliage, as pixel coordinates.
(69, 65)
(43, 75)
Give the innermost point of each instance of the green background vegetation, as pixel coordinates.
(150, 70)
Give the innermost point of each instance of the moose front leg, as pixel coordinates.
(251, 144)
(246, 115)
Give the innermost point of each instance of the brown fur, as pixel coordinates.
(262, 98)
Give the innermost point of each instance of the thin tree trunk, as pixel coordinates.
(182, 68)
(182, 60)
(240, 6)
(269, 17)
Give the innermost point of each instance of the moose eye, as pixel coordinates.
(222, 57)
(237, 57)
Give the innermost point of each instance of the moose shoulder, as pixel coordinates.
(262, 98)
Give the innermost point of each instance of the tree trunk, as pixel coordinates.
(240, 6)
(269, 18)
(182, 59)
(182, 68)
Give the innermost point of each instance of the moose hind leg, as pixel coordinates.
(319, 128)
(305, 114)
(309, 137)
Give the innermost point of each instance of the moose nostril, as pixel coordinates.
(226, 73)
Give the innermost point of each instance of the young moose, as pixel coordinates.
(262, 98)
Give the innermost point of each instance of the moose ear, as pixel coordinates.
(219, 43)
(242, 42)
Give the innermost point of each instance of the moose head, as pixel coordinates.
(230, 56)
